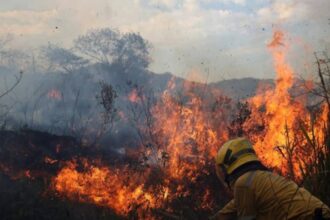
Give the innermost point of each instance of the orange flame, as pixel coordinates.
(280, 114)
(120, 189)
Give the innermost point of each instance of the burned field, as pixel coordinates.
(167, 170)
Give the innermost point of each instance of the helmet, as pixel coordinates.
(233, 154)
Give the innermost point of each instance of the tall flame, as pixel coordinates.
(279, 143)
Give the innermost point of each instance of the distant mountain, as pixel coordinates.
(240, 88)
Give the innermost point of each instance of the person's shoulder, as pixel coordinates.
(246, 179)
(249, 178)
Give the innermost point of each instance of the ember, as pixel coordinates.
(133, 96)
(54, 94)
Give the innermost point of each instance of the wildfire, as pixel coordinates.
(180, 138)
(180, 151)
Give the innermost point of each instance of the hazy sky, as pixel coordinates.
(218, 38)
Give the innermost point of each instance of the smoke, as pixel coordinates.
(60, 88)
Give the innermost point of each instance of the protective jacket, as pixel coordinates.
(264, 195)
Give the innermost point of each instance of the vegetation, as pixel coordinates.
(159, 122)
(317, 175)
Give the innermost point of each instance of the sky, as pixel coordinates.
(217, 39)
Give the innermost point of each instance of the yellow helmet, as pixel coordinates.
(235, 153)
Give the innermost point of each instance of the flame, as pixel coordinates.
(280, 112)
(15, 174)
(187, 133)
(28, 174)
(104, 186)
(133, 96)
(279, 116)
(54, 94)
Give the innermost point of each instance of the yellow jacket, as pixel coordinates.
(265, 195)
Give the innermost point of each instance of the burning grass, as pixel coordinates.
(174, 164)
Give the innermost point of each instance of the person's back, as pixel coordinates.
(259, 193)
(265, 195)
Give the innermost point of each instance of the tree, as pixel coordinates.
(107, 100)
(13, 59)
(99, 45)
(323, 71)
(10, 59)
(12, 87)
(316, 174)
(62, 59)
(111, 47)
(133, 51)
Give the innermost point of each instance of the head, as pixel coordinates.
(233, 155)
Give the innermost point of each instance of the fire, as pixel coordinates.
(54, 94)
(15, 174)
(281, 112)
(28, 173)
(104, 186)
(180, 151)
(133, 96)
(280, 141)
(180, 138)
(187, 134)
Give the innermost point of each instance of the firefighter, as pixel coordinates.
(259, 193)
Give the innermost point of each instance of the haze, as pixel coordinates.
(218, 39)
